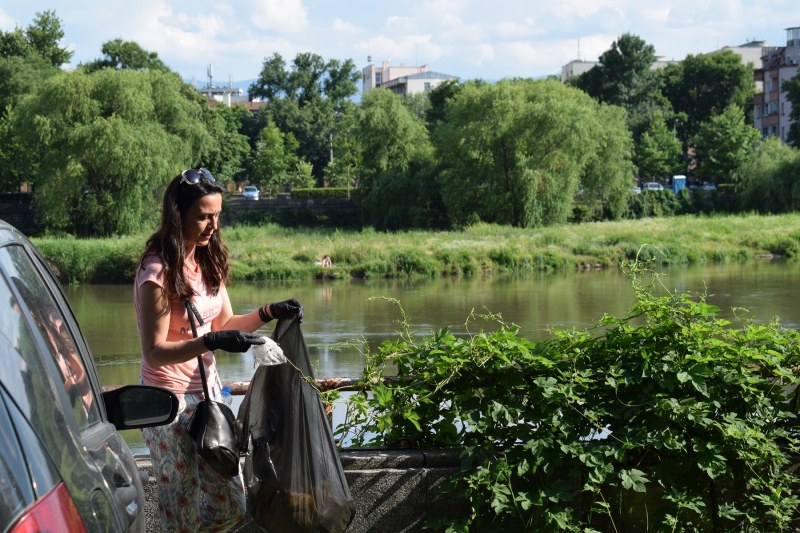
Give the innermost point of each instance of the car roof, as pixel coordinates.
(10, 234)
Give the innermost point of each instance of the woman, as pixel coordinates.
(186, 259)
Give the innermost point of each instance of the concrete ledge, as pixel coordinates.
(393, 490)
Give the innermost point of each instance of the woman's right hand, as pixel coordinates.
(231, 340)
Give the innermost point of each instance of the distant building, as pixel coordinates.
(220, 93)
(771, 108)
(750, 52)
(402, 80)
(576, 67)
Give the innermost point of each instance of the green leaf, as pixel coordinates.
(634, 479)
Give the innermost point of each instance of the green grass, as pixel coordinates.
(274, 252)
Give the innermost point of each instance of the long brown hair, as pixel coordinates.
(169, 244)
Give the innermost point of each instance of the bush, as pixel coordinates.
(327, 192)
(669, 418)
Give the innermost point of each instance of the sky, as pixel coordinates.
(486, 39)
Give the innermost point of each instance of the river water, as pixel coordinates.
(340, 316)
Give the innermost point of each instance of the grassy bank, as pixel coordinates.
(273, 252)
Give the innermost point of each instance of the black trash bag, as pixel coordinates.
(292, 473)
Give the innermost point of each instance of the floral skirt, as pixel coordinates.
(192, 496)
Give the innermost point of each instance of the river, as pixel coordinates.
(341, 316)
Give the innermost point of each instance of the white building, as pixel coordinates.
(771, 107)
(576, 67)
(402, 79)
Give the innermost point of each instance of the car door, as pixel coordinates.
(96, 464)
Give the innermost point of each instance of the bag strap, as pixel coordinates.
(193, 313)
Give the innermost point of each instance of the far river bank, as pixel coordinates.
(271, 252)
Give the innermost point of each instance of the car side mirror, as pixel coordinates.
(140, 406)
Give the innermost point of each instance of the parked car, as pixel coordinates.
(652, 186)
(251, 192)
(63, 464)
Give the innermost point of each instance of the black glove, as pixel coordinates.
(286, 309)
(231, 340)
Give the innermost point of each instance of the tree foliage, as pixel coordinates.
(609, 173)
(659, 153)
(792, 89)
(40, 38)
(396, 155)
(119, 54)
(514, 152)
(102, 146)
(623, 76)
(769, 180)
(274, 157)
(725, 142)
(305, 100)
(704, 85)
(345, 165)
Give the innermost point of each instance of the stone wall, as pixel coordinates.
(394, 490)
(15, 208)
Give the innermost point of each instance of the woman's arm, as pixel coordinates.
(227, 320)
(156, 349)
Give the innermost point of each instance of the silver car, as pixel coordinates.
(63, 464)
(251, 192)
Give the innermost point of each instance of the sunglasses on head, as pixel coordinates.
(193, 176)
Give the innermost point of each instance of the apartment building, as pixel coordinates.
(402, 80)
(771, 107)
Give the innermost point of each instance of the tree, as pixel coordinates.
(792, 89)
(305, 99)
(102, 146)
(396, 153)
(659, 153)
(769, 180)
(438, 98)
(19, 77)
(345, 164)
(623, 76)
(609, 172)
(230, 150)
(41, 37)
(119, 54)
(514, 152)
(723, 145)
(704, 85)
(273, 157)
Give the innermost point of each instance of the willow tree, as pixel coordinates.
(396, 186)
(515, 152)
(100, 147)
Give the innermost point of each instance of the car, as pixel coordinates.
(251, 192)
(652, 186)
(64, 466)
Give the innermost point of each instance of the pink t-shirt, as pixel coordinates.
(179, 377)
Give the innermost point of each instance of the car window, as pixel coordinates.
(16, 492)
(53, 326)
(35, 460)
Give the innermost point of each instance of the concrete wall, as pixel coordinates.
(393, 490)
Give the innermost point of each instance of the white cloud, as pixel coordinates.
(345, 28)
(283, 16)
(7, 22)
(409, 49)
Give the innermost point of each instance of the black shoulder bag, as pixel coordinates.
(213, 426)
